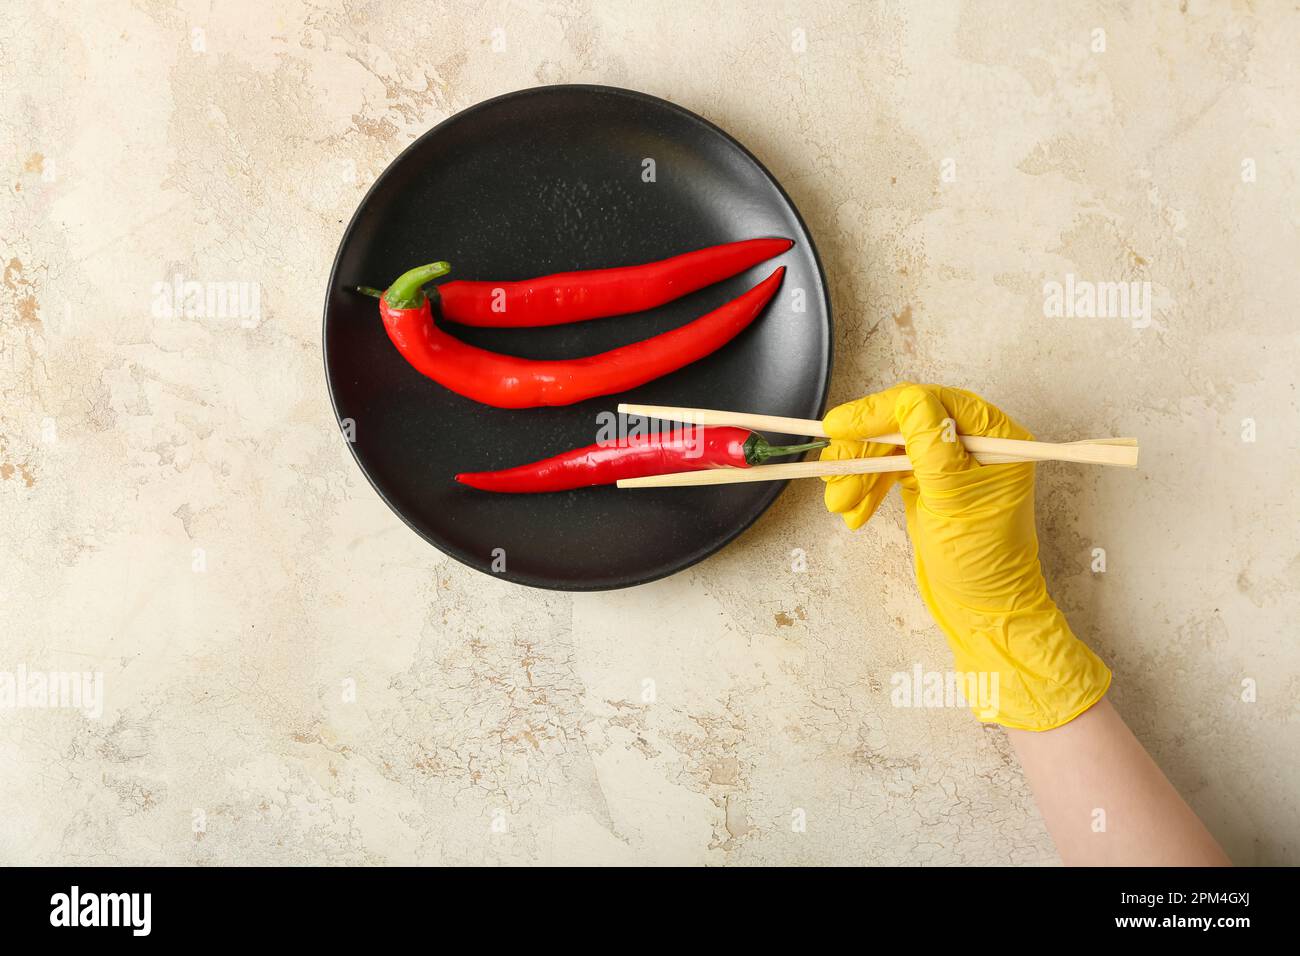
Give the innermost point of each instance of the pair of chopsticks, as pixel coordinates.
(1118, 452)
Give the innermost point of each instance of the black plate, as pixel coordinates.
(541, 181)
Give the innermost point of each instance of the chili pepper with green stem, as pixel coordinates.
(658, 453)
(507, 381)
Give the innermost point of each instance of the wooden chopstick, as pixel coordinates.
(1099, 451)
(710, 416)
(810, 469)
(1117, 452)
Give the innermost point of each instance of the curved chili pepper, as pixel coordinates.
(510, 382)
(659, 453)
(596, 293)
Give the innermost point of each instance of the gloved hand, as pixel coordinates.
(975, 549)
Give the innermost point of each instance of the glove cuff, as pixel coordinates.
(1034, 673)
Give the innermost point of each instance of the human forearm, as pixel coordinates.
(1105, 801)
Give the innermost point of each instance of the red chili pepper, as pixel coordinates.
(510, 382)
(595, 293)
(659, 453)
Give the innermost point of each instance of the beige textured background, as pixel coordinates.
(231, 141)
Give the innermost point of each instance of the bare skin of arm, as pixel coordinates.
(1095, 763)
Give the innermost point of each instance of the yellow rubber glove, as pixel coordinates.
(975, 549)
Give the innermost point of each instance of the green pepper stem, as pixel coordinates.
(369, 290)
(408, 292)
(757, 450)
(777, 451)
